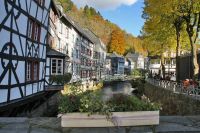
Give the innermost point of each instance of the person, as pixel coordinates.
(173, 78)
(186, 84)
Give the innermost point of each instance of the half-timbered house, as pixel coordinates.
(23, 40)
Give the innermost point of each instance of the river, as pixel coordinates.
(116, 88)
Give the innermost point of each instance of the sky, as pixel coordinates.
(125, 13)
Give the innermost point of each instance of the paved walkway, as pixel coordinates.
(168, 124)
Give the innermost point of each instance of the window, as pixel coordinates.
(35, 70)
(83, 74)
(173, 61)
(59, 45)
(30, 28)
(77, 69)
(73, 38)
(28, 71)
(67, 32)
(37, 32)
(32, 70)
(77, 53)
(61, 28)
(34, 30)
(167, 61)
(82, 61)
(66, 49)
(56, 66)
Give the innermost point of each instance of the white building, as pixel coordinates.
(78, 45)
(137, 60)
(99, 55)
(169, 64)
(55, 61)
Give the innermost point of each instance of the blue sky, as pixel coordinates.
(127, 17)
(124, 13)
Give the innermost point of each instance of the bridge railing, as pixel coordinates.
(117, 77)
(175, 87)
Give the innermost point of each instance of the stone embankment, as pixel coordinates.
(172, 103)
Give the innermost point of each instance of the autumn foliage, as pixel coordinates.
(88, 17)
(117, 43)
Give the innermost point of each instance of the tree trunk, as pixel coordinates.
(195, 65)
(162, 66)
(177, 53)
(192, 30)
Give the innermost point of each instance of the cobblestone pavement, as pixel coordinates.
(173, 124)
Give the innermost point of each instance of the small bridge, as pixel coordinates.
(111, 78)
(178, 88)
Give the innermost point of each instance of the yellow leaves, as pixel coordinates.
(117, 43)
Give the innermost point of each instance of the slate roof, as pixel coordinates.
(52, 52)
(78, 27)
(115, 55)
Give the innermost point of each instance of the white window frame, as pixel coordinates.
(57, 66)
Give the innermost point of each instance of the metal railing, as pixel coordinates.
(191, 90)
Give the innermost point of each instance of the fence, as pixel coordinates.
(175, 87)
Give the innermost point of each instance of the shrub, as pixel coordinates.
(123, 103)
(136, 72)
(60, 79)
(69, 103)
(93, 104)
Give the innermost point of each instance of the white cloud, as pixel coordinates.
(104, 4)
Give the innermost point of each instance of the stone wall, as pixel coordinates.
(172, 104)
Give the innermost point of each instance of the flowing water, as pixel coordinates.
(117, 88)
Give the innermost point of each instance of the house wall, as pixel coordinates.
(140, 62)
(155, 66)
(16, 48)
(100, 60)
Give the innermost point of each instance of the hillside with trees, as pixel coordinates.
(89, 18)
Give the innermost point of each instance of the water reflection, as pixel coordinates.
(117, 88)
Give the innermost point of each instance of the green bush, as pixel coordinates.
(138, 72)
(92, 103)
(69, 103)
(122, 103)
(60, 79)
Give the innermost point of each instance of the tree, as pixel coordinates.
(167, 13)
(117, 42)
(158, 34)
(190, 9)
(68, 5)
(88, 17)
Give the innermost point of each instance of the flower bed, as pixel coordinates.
(87, 109)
